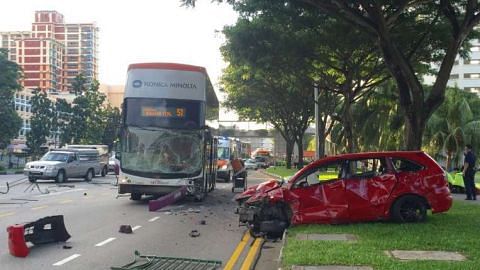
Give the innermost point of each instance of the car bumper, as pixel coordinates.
(41, 174)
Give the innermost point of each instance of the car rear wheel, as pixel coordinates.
(410, 209)
(60, 177)
(32, 179)
(89, 175)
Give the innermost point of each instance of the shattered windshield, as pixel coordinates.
(162, 151)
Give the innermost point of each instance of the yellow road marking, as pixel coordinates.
(252, 253)
(66, 201)
(39, 207)
(238, 250)
(6, 214)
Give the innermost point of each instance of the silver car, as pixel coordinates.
(61, 164)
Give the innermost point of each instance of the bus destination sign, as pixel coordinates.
(163, 112)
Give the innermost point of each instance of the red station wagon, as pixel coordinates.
(357, 187)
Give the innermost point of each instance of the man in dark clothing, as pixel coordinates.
(469, 173)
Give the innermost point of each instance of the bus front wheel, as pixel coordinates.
(135, 196)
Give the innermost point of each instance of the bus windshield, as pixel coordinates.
(223, 153)
(154, 151)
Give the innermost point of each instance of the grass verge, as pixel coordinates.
(457, 230)
(282, 171)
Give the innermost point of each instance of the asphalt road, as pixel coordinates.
(93, 215)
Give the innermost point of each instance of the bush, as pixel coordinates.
(2, 168)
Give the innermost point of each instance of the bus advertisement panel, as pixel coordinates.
(165, 143)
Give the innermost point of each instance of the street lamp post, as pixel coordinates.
(317, 117)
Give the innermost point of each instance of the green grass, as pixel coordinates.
(282, 171)
(457, 230)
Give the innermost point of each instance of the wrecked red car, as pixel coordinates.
(357, 187)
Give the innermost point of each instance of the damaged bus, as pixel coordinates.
(165, 143)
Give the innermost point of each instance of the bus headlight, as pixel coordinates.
(224, 167)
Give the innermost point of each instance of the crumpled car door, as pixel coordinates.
(320, 203)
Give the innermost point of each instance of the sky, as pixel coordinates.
(138, 31)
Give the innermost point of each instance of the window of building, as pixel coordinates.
(471, 75)
(454, 76)
(472, 89)
(472, 62)
(475, 48)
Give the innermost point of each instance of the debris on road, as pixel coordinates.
(66, 247)
(154, 205)
(203, 222)
(194, 233)
(45, 230)
(126, 229)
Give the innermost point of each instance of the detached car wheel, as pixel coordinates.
(409, 209)
(60, 177)
(89, 175)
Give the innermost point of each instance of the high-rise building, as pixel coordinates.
(54, 52)
(466, 72)
(51, 55)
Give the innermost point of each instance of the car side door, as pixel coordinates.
(369, 184)
(319, 195)
(74, 166)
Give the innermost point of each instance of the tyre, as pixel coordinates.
(32, 179)
(135, 196)
(61, 177)
(409, 209)
(104, 171)
(89, 175)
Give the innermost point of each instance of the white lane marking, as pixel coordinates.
(39, 207)
(136, 227)
(105, 242)
(153, 219)
(73, 257)
(62, 192)
(6, 214)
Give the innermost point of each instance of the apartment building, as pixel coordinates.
(466, 73)
(51, 55)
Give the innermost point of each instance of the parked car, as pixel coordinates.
(61, 164)
(251, 164)
(400, 186)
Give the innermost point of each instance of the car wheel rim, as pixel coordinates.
(89, 175)
(60, 177)
(411, 211)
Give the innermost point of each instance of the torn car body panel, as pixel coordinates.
(349, 188)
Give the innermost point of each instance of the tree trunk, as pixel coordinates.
(414, 128)
(348, 126)
(300, 152)
(449, 161)
(289, 149)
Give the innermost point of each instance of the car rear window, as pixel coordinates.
(404, 165)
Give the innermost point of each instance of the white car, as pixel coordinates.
(251, 164)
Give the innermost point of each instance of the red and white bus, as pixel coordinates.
(164, 143)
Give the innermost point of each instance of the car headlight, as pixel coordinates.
(50, 168)
(224, 167)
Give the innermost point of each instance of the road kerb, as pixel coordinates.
(238, 251)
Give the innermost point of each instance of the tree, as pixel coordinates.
(41, 121)
(433, 28)
(112, 119)
(454, 124)
(79, 84)
(271, 82)
(411, 35)
(10, 122)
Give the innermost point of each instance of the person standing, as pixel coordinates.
(469, 173)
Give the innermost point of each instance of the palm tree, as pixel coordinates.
(453, 125)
